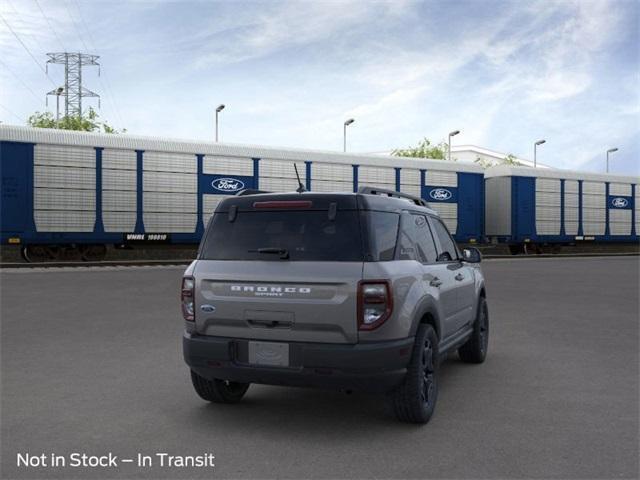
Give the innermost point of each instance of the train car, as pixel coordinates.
(530, 208)
(84, 191)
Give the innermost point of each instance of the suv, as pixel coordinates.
(355, 291)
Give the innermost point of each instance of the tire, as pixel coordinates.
(218, 391)
(475, 349)
(415, 399)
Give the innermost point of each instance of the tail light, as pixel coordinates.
(188, 309)
(375, 303)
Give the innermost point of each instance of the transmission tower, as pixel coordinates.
(73, 91)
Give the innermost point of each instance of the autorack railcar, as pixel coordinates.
(84, 191)
(530, 209)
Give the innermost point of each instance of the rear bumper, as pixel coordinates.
(372, 367)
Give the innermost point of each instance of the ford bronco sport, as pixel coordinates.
(355, 291)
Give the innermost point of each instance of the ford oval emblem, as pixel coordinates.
(619, 202)
(228, 184)
(440, 194)
(208, 308)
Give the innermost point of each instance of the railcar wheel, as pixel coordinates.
(40, 253)
(93, 253)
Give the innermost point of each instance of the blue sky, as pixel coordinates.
(290, 73)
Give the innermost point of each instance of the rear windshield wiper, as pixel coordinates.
(283, 252)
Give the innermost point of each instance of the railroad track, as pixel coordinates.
(177, 262)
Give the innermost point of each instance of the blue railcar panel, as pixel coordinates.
(470, 197)
(16, 206)
(523, 208)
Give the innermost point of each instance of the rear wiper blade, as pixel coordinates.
(283, 252)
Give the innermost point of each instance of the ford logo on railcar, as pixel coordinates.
(619, 202)
(440, 194)
(228, 184)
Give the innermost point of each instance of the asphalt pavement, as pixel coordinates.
(92, 363)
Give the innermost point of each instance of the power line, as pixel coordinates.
(27, 49)
(10, 112)
(75, 26)
(35, 95)
(106, 85)
(50, 26)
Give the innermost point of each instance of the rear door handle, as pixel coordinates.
(435, 282)
(459, 277)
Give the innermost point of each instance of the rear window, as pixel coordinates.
(284, 235)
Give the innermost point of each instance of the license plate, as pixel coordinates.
(269, 353)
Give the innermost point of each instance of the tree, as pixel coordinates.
(87, 123)
(510, 159)
(424, 150)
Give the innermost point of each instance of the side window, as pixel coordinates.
(383, 233)
(448, 247)
(416, 241)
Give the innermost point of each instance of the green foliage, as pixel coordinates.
(424, 150)
(510, 159)
(87, 123)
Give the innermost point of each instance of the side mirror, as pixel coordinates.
(472, 255)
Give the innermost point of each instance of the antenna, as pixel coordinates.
(300, 188)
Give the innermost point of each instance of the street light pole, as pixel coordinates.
(452, 134)
(611, 150)
(59, 91)
(344, 133)
(535, 152)
(218, 110)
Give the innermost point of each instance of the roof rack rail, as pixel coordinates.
(250, 191)
(392, 193)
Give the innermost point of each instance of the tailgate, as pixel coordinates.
(278, 301)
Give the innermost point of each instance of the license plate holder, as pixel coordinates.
(269, 354)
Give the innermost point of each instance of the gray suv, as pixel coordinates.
(354, 291)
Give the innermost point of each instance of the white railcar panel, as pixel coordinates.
(619, 222)
(498, 206)
(547, 185)
(170, 202)
(217, 165)
(571, 200)
(119, 201)
(385, 186)
(571, 186)
(279, 169)
(448, 213)
(279, 184)
(169, 162)
(119, 180)
(209, 205)
(548, 227)
(331, 186)
(598, 188)
(376, 175)
(620, 189)
(409, 176)
(119, 159)
(548, 199)
(594, 201)
(441, 178)
(155, 222)
(64, 199)
(570, 228)
(64, 156)
(64, 220)
(331, 171)
(593, 228)
(169, 182)
(411, 189)
(119, 221)
(64, 177)
(571, 217)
